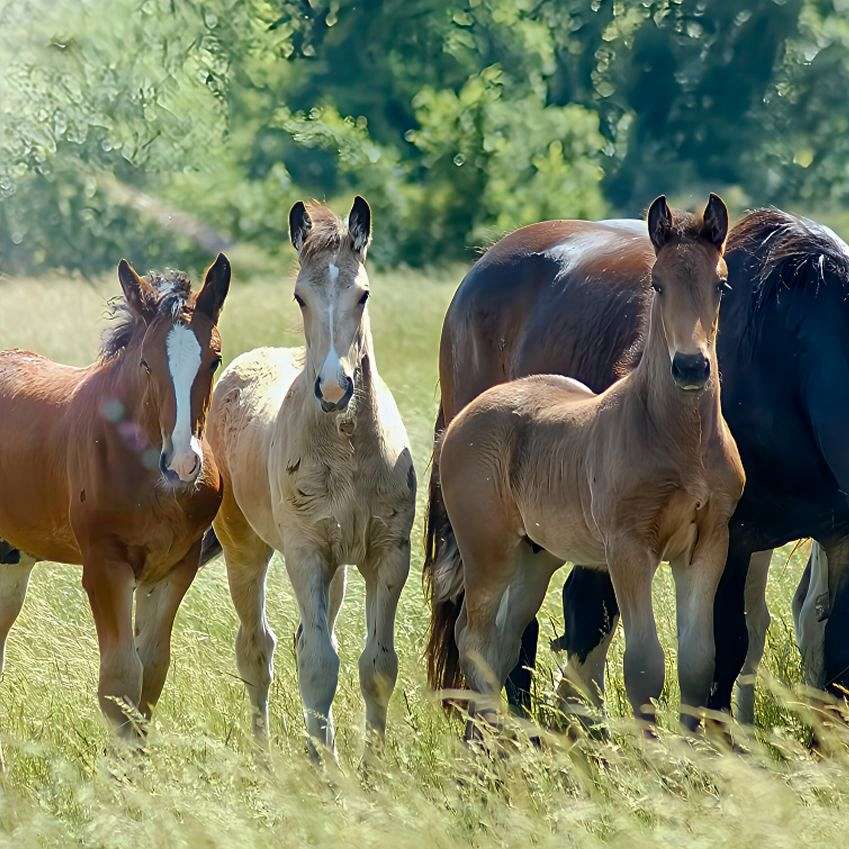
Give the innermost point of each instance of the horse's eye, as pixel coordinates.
(656, 286)
(722, 286)
(299, 300)
(364, 297)
(145, 366)
(215, 364)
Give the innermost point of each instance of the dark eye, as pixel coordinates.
(299, 300)
(145, 366)
(655, 284)
(364, 297)
(215, 364)
(722, 286)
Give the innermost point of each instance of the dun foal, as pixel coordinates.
(541, 470)
(316, 465)
(107, 466)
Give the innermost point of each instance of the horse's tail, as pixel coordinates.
(210, 547)
(442, 576)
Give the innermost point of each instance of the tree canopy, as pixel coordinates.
(457, 120)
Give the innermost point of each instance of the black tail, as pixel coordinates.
(442, 579)
(210, 548)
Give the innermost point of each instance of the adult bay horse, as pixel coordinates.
(316, 464)
(541, 470)
(107, 466)
(572, 298)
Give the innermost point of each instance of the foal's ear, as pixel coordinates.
(300, 225)
(216, 284)
(659, 220)
(359, 226)
(137, 292)
(715, 221)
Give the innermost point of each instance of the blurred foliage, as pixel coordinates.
(457, 119)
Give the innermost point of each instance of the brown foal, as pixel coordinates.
(542, 470)
(107, 466)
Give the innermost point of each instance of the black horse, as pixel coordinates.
(783, 352)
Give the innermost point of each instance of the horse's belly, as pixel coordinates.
(565, 534)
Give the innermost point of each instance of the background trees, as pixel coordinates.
(459, 119)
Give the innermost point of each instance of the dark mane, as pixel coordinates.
(173, 291)
(789, 253)
(328, 232)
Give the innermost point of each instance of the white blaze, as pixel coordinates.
(184, 356)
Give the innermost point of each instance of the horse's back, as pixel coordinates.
(547, 299)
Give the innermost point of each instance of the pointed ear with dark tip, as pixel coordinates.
(659, 221)
(216, 284)
(300, 225)
(359, 225)
(137, 293)
(715, 221)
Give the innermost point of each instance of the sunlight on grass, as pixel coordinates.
(202, 784)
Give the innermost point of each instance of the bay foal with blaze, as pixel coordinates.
(316, 465)
(107, 466)
(542, 470)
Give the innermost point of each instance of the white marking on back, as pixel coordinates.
(184, 357)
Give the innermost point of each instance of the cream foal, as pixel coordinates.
(316, 465)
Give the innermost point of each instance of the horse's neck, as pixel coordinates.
(686, 421)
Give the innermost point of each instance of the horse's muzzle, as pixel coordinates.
(690, 371)
(335, 406)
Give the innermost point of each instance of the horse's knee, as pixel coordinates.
(318, 668)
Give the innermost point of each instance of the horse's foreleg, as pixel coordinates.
(385, 577)
(14, 578)
(110, 583)
(632, 569)
(315, 647)
(695, 590)
(156, 608)
(591, 615)
(757, 623)
(836, 643)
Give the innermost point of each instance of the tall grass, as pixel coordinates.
(202, 784)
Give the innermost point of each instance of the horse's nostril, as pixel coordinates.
(317, 388)
(690, 369)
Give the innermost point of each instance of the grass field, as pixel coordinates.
(202, 785)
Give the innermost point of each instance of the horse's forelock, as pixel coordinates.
(173, 291)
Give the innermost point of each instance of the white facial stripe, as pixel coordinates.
(184, 352)
(333, 272)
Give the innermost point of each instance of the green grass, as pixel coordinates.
(201, 784)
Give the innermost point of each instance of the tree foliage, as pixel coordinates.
(458, 119)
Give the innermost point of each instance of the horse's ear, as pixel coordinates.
(300, 225)
(216, 284)
(359, 226)
(137, 292)
(715, 221)
(659, 219)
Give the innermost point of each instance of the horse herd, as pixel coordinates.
(580, 420)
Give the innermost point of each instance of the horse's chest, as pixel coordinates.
(335, 504)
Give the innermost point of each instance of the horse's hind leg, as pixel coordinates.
(810, 614)
(247, 558)
(520, 679)
(757, 623)
(14, 578)
(385, 575)
(591, 615)
(156, 608)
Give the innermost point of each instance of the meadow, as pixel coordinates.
(202, 783)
